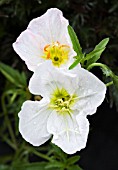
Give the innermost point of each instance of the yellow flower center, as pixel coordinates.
(62, 101)
(57, 53)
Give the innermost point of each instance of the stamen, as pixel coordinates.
(45, 48)
(61, 101)
(58, 53)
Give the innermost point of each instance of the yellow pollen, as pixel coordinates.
(62, 101)
(58, 53)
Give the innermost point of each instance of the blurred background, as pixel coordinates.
(92, 20)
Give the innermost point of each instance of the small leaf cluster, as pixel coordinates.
(85, 59)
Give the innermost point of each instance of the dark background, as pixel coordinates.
(92, 21)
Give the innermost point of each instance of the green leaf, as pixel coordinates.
(54, 164)
(59, 153)
(74, 167)
(106, 71)
(76, 62)
(24, 78)
(13, 75)
(73, 160)
(30, 166)
(94, 55)
(5, 167)
(102, 44)
(76, 45)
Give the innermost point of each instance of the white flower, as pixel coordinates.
(46, 38)
(67, 99)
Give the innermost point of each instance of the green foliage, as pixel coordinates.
(75, 167)
(76, 45)
(13, 76)
(28, 166)
(94, 55)
(115, 81)
(89, 58)
(62, 161)
(114, 92)
(75, 63)
(73, 160)
(15, 93)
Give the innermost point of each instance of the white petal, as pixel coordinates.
(68, 133)
(47, 78)
(51, 25)
(30, 48)
(91, 92)
(33, 122)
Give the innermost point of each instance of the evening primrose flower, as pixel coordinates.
(46, 38)
(68, 97)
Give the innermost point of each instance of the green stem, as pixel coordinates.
(109, 84)
(11, 131)
(11, 144)
(96, 65)
(105, 68)
(18, 152)
(8, 123)
(38, 154)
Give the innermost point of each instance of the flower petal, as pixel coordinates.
(47, 78)
(52, 26)
(68, 133)
(91, 92)
(33, 122)
(30, 48)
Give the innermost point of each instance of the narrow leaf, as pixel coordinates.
(76, 45)
(30, 166)
(13, 75)
(94, 55)
(73, 160)
(102, 44)
(54, 164)
(74, 167)
(57, 151)
(76, 62)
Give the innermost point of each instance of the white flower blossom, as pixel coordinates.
(68, 97)
(46, 38)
